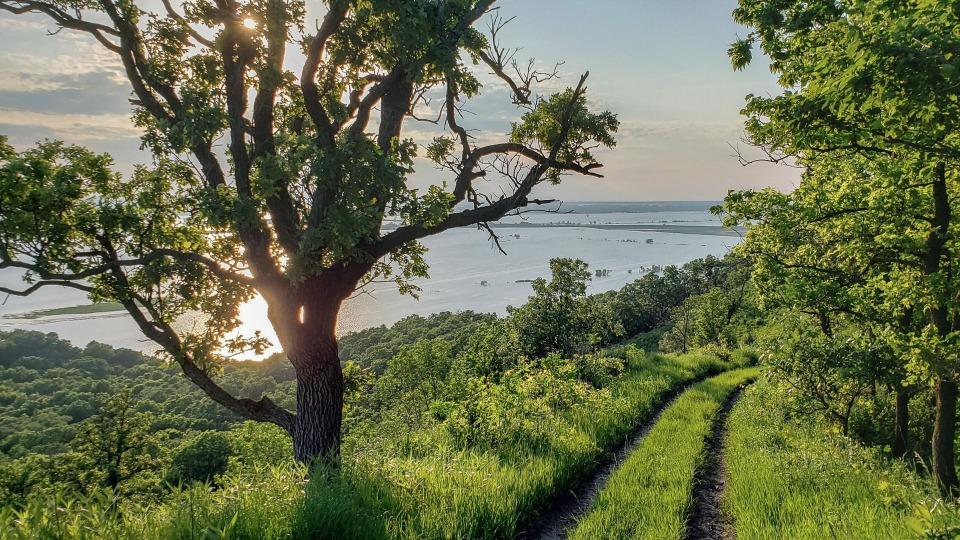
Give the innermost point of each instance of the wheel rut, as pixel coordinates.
(560, 515)
(707, 520)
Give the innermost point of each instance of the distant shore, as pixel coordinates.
(709, 230)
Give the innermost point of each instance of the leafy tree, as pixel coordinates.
(560, 317)
(715, 318)
(201, 459)
(19, 478)
(878, 78)
(373, 347)
(831, 249)
(316, 161)
(116, 442)
(646, 303)
(415, 377)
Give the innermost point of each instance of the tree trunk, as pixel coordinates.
(944, 431)
(316, 433)
(901, 425)
(944, 424)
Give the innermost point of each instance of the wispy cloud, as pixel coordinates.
(24, 72)
(78, 128)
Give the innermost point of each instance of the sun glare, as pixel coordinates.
(250, 23)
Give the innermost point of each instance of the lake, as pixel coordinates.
(467, 271)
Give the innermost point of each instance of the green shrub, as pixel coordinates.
(201, 459)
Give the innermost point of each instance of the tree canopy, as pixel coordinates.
(869, 109)
(295, 206)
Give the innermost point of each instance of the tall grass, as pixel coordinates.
(790, 478)
(258, 504)
(420, 487)
(437, 492)
(650, 495)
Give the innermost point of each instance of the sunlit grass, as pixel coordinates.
(462, 494)
(428, 490)
(650, 495)
(792, 479)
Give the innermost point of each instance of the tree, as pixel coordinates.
(201, 459)
(116, 444)
(877, 78)
(831, 249)
(316, 161)
(560, 317)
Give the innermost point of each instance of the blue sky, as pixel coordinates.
(660, 64)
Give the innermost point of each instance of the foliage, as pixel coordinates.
(645, 304)
(115, 444)
(47, 387)
(201, 459)
(372, 348)
(717, 320)
(560, 318)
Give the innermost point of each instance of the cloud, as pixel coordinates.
(681, 128)
(74, 128)
(26, 72)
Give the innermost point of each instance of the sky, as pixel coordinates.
(661, 65)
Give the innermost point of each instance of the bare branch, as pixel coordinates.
(46, 283)
(64, 20)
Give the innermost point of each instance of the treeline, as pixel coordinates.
(479, 377)
(859, 264)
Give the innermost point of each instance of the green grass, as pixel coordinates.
(440, 493)
(650, 495)
(422, 487)
(793, 479)
(104, 307)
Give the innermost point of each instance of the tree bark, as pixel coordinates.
(316, 432)
(944, 432)
(944, 428)
(901, 425)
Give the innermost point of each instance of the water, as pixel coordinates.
(467, 271)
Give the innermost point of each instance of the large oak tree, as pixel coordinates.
(277, 182)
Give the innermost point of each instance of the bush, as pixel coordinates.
(201, 459)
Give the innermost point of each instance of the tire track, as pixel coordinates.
(707, 519)
(560, 515)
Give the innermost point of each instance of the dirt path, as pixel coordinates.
(561, 514)
(707, 521)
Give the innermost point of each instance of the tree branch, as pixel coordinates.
(308, 78)
(495, 210)
(64, 20)
(212, 265)
(45, 283)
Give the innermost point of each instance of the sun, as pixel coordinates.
(250, 23)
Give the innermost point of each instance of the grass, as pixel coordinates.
(650, 495)
(256, 506)
(440, 493)
(104, 307)
(792, 479)
(422, 487)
